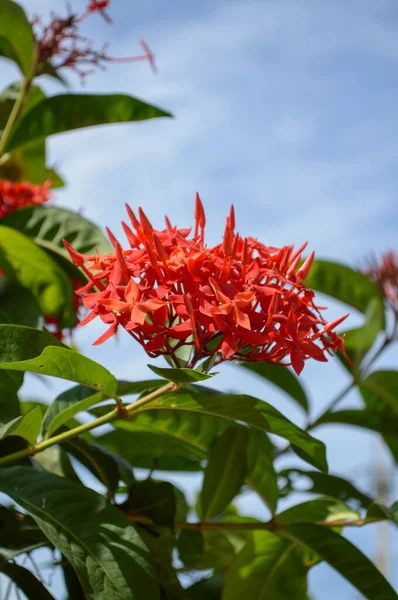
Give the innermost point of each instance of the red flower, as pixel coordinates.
(15, 195)
(384, 273)
(99, 6)
(241, 299)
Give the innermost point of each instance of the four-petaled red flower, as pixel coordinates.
(15, 195)
(240, 299)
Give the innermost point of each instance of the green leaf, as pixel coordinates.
(29, 164)
(260, 471)
(38, 352)
(55, 460)
(225, 472)
(67, 405)
(67, 112)
(109, 557)
(389, 513)
(151, 502)
(282, 377)
(143, 449)
(381, 387)
(16, 36)
(17, 305)
(321, 509)
(19, 533)
(49, 225)
(205, 550)
(342, 282)
(182, 375)
(80, 398)
(249, 410)
(189, 434)
(322, 483)
(358, 341)
(344, 557)
(28, 265)
(267, 567)
(25, 581)
(26, 427)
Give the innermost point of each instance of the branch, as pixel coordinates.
(117, 413)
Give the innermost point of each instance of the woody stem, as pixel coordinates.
(127, 412)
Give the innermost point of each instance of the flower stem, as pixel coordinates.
(114, 414)
(14, 114)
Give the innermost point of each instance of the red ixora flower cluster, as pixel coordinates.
(241, 299)
(60, 45)
(16, 195)
(384, 273)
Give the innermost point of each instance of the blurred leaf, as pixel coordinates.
(26, 349)
(322, 483)
(19, 533)
(247, 409)
(67, 112)
(99, 462)
(9, 96)
(205, 550)
(16, 36)
(389, 513)
(161, 545)
(49, 225)
(109, 557)
(17, 305)
(225, 472)
(342, 282)
(281, 377)
(26, 426)
(344, 557)
(151, 502)
(182, 375)
(210, 588)
(267, 567)
(260, 471)
(55, 460)
(321, 509)
(28, 265)
(381, 387)
(358, 341)
(25, 581)
(72, 583)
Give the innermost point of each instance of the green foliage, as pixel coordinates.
(337, 280)
(267, 567)
(29, 266)
(283, 378)
(49, 225)
(225, 472)
(67, 112)
(249, 410)
(34, 351)
(16, 36)
(107, 553)
(344, 557)
(122, 543)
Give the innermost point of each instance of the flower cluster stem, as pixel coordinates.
(128, 411)
(14, 114)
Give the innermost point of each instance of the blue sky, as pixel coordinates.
(285, 108)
